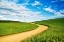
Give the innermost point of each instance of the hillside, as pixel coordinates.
(55, 32)
(8, 27)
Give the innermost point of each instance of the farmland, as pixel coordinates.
(55, 32)
(11, 27)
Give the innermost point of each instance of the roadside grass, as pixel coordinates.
(55, 32)
(11, 27)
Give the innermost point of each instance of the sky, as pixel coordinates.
(31, 10)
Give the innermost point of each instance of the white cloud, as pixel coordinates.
(58, 14)
(45, 6)
(6, 12)
(38, 7)
(15, 1)
(13, 9)
(27, 1)
(49, 9)
(54, 1)
(2, 18)
(57, 0)
(62, 11)
(36, 3)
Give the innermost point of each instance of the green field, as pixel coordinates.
(11, 27)
(55, 32)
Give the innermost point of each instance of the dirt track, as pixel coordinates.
(21, 36)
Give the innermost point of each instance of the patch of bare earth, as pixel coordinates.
(21, 36)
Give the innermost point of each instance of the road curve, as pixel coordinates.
(21, 36)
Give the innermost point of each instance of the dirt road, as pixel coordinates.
(21, 36)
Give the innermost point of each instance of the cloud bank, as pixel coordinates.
(8, 7)
(49, 9)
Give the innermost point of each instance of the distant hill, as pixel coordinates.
(7, 21)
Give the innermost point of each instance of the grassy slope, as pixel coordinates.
(10, 27)
(55, 32)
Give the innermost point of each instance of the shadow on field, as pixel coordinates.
(45, 25)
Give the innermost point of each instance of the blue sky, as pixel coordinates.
(31, 10)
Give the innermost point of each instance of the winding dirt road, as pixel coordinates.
(21, 36)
